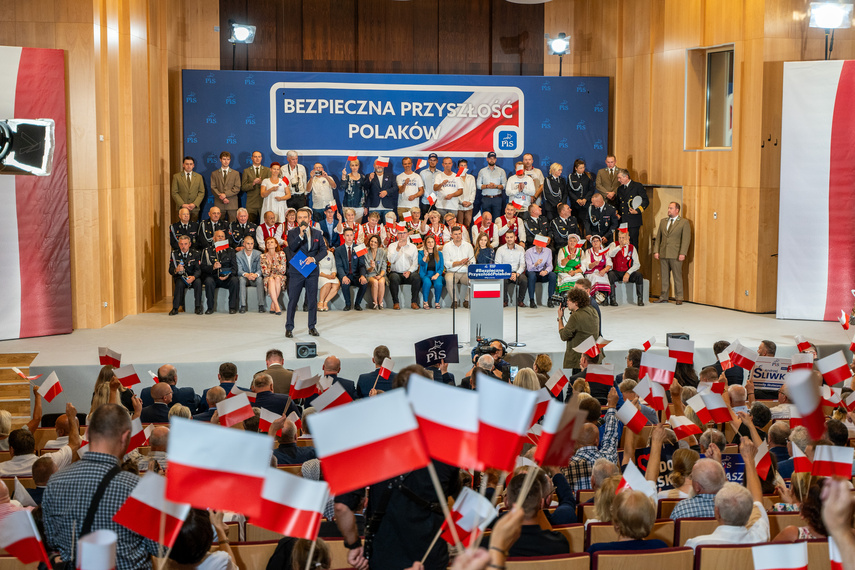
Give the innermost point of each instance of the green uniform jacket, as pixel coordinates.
(581, 324)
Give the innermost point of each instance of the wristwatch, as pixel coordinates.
(352, 545)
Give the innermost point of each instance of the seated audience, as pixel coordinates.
(22, 448)
(431, 270)
(513, 254)
(219, 270)
(180, 411)
(158, 412)
(798, 437)
(633, 514)
(43, 469)
(288, 452)
(375, 271)
(578, 472)
(371, 381)
(810, 513)
(707, 479)
(274, 268)
(192, 547)
(538, 267)
(328, 283)
(350, 270)
(167, 374)
(262, 385)
(603, 499)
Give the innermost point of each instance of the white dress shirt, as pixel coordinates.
(452, 253)
(515, 257)
(403, 259)
(728, 534)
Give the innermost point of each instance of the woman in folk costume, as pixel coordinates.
(596, 264)
(373, 227)
(351, 222)
(436, 229)
(569, 266)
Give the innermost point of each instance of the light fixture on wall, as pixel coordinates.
(830, 16)
(240, 34)
(559, 46)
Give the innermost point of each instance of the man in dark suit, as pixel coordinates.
(275, 368)
(288, 452)
(734, 374)
(240, 228)
(185, 396)
(183, 227)
(600, 219)
(327, 227)
(225, 186)
(366, 382)
(251, 184)
(330, 369)
(227, 376)
(350, 270)
(186, 274)
(219, 269)
(158, 412)
(626, 193)
(212, 397)
(381, 190)
(207, 228)
(311, 242)
(188, 189)
(262, 385)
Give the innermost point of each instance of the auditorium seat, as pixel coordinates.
(780, 521)
(253, 555)
(338, 553)
(575, 535)
(770, 500)
(304, 442)
(296, 469)
(258, 534)
(665, 506)
(586, 513)
(27, 482)
(691, 527)
(233, 531)
(11, 563)
(731, 448)
(663, 529)
(44, 435)
(580, 561)
(718, 556)
(584, 495)
(680, 558)
(5, 456)
(46, 450)
(818, 554)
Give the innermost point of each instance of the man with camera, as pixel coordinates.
(582, 324)
(320, 186)
(311, 243)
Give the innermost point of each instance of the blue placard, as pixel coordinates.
(734, 467)
(300, 264)
(490, 271)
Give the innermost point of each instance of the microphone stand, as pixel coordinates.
(516, 343)
(454, 302)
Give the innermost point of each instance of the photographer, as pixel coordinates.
(582, 323)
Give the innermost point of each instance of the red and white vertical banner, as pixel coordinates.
(35, 255)
(816, 269)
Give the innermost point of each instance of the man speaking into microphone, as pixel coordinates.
(307, 250)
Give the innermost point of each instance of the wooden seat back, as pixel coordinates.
(663, 529)
(679, 558)
(687, 528)
(575, 535)
(581, 561)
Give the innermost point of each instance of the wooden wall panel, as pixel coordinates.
(518, 44)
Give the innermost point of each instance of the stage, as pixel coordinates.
(196, 344)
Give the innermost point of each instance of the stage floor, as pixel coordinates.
(198, 343)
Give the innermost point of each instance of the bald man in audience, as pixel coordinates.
(707, 479)
(61, 427)
(213, 396)
(43, 468)
(275, 362)
(331, 369)
(262, 385)
(784, 408)
(167, 374)
(158, 412)
(288, 452)
(602, 470)
(779, 436)
(158, 441)
(578, 472)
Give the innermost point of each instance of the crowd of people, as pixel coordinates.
(392, 526)
(379, 230)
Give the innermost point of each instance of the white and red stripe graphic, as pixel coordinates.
(421, 163)
(448, 420)
(147, 505)
(843, 319)
(266, 419)
(408, 216)
(658, 368)
(648, 343)
(559, 431)
(291, 505)
(541, 241)
(653, 393)
(834, 368)
(801, 343)
(221, 245)
(520, 171)
(742, 356)
(352, 157)
(236, 391)
(804, 394)
(763, 461)
(470, 509)
(35, 255)
(588, 347)
(382, 161)
(139, 436)
(534, 433)
(233, 478)
(477, 219)
(431, 198)
(24, 376)
(336, 395)
(830, 396)
(107, 357)
(303, 384)
(816, 271)
(486, 290)
(461, 171)
(382, 440)
(540, 404)
(504, 416)
(780, 556)
(154, 377)
(716, 407)
(556, 382)
(386, 368)
(50, 388)
(801, 360)
(801, 463)
(360, 249)
(849, 403)
(20, 537)
(684, 427)
(681, 349)
(717, 387)
(601, 374)
(127, 375)
(697, 405)
(631, 417)
(234, 410)
(834, 555)
(634, 479)
(518, 202)
(832, 461)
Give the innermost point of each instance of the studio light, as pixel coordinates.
(559, 46)
(830, 16)
(241, 33)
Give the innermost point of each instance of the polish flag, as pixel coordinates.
(742, 356)
(147, 505)
(20, 538)
(303, 384)
(534, 433)
(834, 555)
(801, 343)
(241, 463)
(658, 368)
(518, 203)
(352, 157)
(408, 216)
(390, 226)
(448, 421)
(469, 509)
(697, 405)
(266, 419)
(684, 427)
(682, 350)
(381, 441)
(804, 394)
(154, 377)
(421, 163)
(801, 360)
(603, 343)
(139, 437)
(504, 416)
(360, 249)
(234, 410)
(520, 171)
(724, 360)
(431, 198)
(416, 238)
(716, 407)
(401, 226)
(717, 387)
(631, 417)
(386, 368)
(601, 374)
(623, 228)
(461, 171)
(560, 429)
(648, 343)
(762, 460)
(589, 347)
(127, 375)
(796, 419)
(486, 290)
(852, 346)
(634, 479)
(843, 319)
(557, 382)
(221, 245)
(291, 505)
(109, 357)
(293, 418)
(22, 495)
(781, 556)
(285, 180)
(382, 161)
(24, 376)
(235, 391)
(834, 368)
(653, 393)
(476, 221)
(540, 404)
(830, 396)
(333, 206)
(97, 550)
(335, 396)
(50, 388)
(541, 241)
(849, 403)
(801, 463)
(832, 461)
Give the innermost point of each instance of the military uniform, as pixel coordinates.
(182, 266)
(238, 231)
(176, 230)
(533, 228)
(580, 188)
(560, 228)
(205, 235)
(214, 277)
(601, 221)
(625, 195)
(554, 193)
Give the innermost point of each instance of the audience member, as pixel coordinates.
(513, 254)
(192, 547)
(431, 270)
(582, 324)
(262, 385)
(22, 448)
(158, 411)
(288, 452)
(43, 469)
(590, 448)
(370, 381)
(213, 396)
(707, 479)
(604, 497)
(350, 270)
(633, 515)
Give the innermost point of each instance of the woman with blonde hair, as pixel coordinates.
(603, 499)
(354, 183)
(181, 411)
(527, 378)
(351, 221)
(274, 266)
(431, 268)
(126, 395)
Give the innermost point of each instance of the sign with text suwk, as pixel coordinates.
(327, 117)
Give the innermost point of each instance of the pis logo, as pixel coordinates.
(563, 143)
(249, 79)
(581, 88)
(545, 162)
(545, 124)
(564, 106)
(231, 139)
(230, 100)
(580, 126)
(211, 119)
(507, 140)
(210, 79)
(546, 86)
(213, 159)
(598, 144)
(598, 108)
(191, 138)
(250, 120)
(191, 97)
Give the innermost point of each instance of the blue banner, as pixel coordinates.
(328, 117)
(490, 271)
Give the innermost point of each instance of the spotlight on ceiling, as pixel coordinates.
(830, 16)
(241, 33)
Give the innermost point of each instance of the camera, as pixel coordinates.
(26, 146)
(559, 299)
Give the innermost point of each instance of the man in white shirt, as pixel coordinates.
(403, 268)
(513, 254)
(467, 199)
(491, 184)
(269, 229)
(320, 186)
(411, 187)
(61, 428)
(427, 175)
(448, 188)
(457, 256)
(296, 175)
(520, 187)
(784, 408)
(22, 448)
(535, 173)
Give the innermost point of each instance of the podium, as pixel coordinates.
(486, 285)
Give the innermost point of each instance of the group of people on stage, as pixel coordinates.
(380, 230)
